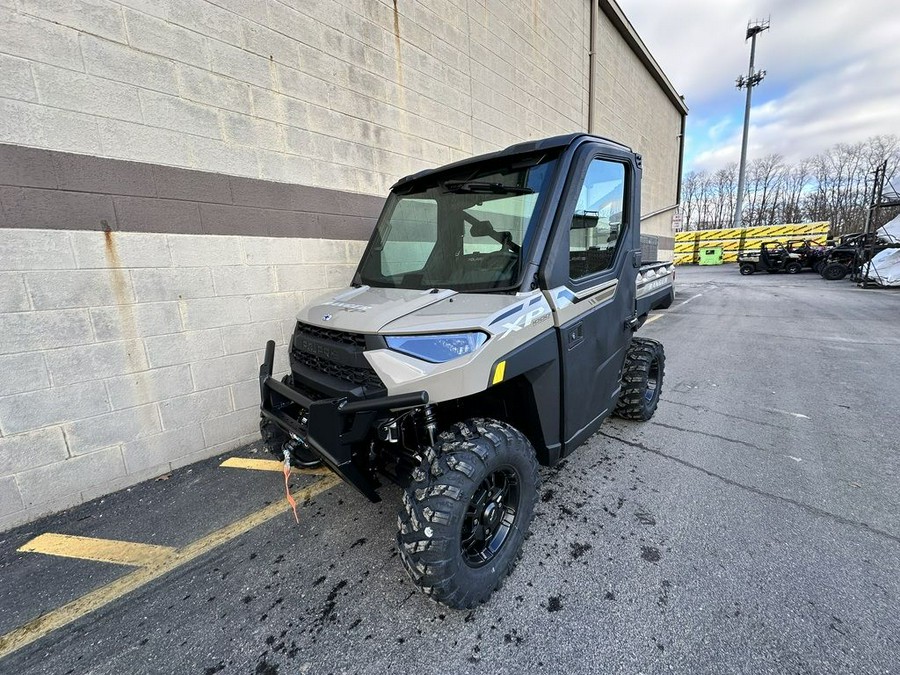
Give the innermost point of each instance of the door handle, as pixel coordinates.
(575, 334)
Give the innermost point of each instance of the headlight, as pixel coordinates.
(437, 348)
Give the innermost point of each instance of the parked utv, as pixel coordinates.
(851, 254)
(772, 257)
(812, 255)
(489, 328)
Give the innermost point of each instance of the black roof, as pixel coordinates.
(518, 149)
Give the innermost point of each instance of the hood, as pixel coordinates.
(366, 309)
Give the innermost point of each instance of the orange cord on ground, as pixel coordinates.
(287, 489)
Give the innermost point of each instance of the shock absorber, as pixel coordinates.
(429, 420)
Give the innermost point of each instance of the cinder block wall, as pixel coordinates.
(178, 176)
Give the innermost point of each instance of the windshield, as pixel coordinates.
(466, 231)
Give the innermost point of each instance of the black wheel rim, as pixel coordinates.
(490, 517)
(652, 381)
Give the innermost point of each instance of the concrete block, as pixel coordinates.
(301, 277)
(339, 276)
(23, 372)
(13, 296)
(243, 280)
(99, 17)
(168, 350)
(278, 166)
(132, 321)
(231, 427)
(150, 34)
(264, 194)
(155, 285)
(143, 143)
(255, 132)
(246, 394)
(124, 64)
(151, 385)
(120, 249)
(177, 114)
(279, 108)
(239, 64)
(30, 450)
(230, 219)
(122, 482)
(207, 19)
(198, 186)
(214, 90)
(78, 288)
(204, 250)
(157, 215)
(62, 88)
(29, 515)
(190, 410)
(324, 251)
(27, 167)
(19, 249)
(90, 362)
(252, 336)
(209, 154)
(212, 373)
(269, 44)
(24, 123)
(36, 409)
(17, 82)
(206, 453)
(35, 331)
(85, 174)
(272, 251)
(121, 426)
(52, 209)
(47, 484)
(274, 307)
(36, 40)
(10, 499)
(200, 313)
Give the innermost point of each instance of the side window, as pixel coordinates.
(413, 228)
(597, 221)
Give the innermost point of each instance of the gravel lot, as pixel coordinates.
(752, 526)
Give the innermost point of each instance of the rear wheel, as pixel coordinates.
(748, 268)
(467, 510)
(793, 268)
(835, 271)
(642, 379)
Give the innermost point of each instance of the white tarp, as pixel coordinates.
(891, 231)
(884, 268)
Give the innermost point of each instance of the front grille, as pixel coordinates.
(335, 354)
(350, 374)
(354, 339)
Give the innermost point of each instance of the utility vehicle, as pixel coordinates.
(772, 257)
(489, 328)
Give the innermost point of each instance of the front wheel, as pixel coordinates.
(835, 271)
(793, 268)
(642, 379)
(467, 510)
(747, 268)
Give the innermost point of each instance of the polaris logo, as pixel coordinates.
(523, 321)
(314, 348)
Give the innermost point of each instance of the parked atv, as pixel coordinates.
(772, 257)
(812, 255)
(489, 328)
(850, 255)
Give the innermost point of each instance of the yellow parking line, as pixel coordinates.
(268, 465)
(101, 550)
(80, 607)
(653, 318)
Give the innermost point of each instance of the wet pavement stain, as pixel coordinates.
(651, 554)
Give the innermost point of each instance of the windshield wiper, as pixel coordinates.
(469, 186)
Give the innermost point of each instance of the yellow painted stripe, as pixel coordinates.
(101, 550)
(499, 372)
(653, 318)
(80, 607)
(269, 465)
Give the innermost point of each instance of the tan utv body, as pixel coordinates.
(489, 328)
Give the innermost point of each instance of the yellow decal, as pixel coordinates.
(499, 372)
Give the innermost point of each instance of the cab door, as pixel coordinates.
(589, 277)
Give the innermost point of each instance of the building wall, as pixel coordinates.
(178, 176)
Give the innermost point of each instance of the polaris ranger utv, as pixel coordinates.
(489, 328)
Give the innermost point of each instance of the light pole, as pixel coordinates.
(752, 79)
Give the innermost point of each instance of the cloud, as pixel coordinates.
(833, 73)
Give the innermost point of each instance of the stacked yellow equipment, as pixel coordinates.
(734, 240)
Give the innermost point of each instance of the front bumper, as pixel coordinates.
(333, 428)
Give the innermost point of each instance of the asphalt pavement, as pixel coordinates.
(753, 526)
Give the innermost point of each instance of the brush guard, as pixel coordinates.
(332, 428)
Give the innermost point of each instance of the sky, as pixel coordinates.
(832, 72)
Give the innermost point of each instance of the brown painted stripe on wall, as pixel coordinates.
(47, 189)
